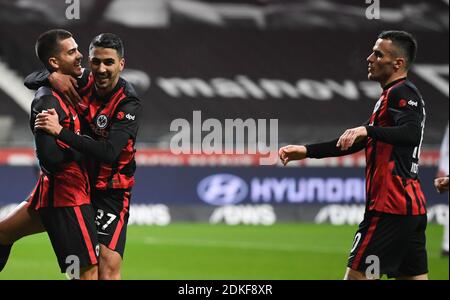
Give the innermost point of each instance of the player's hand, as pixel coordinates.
(440, 173)
(292, 152)
(441, 184)
(350, 136)
(67, 85)
(48, 121)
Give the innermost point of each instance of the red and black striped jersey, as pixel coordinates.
(112, 123)
(63, 180)
(395, 133)
(392, 158)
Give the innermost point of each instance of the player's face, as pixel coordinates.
(69, 58)
(382, 62)
(106, 66)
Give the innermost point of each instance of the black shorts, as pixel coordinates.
(112, 207)
(397, 241)
(72, 231)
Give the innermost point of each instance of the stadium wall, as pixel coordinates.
(251, 195)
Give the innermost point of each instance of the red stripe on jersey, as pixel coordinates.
(86, 237)
(383, 117)
(379, 180)
(423, 200)
(122, 180)
(388, 190)
(39, 196)
(89, 84)
(119, 227)
(415, 204)
(44, 191)
(367, 238)
(110, 177)
(419, 197)
(369, 166)
(394, 201)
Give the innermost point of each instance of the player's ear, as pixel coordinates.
(53, 62)
(122, 64)
(399, 63)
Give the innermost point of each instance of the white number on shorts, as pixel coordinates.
(100, 214)
(356, 241)
(111, 219)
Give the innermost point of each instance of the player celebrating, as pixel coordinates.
(62, 194)
(111, 108)
(395, 219)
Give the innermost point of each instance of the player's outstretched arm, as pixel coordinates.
(292, 152)
(348, 143)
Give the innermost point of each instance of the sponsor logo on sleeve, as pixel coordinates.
(120, 115)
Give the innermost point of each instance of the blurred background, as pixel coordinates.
(302, 62)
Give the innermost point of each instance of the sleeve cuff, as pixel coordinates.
(370, 130)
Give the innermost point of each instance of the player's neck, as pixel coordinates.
(393, 78)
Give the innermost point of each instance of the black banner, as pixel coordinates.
(313, 81)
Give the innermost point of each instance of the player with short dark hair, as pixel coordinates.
(393, 229)
(405, 45)
(48, 46)
(111, 108)
(108, 40)
(62, 195)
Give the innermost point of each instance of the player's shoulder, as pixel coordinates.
(129, 90)
(44, 95)
(43, 92)
(405, 94)
(405, 89)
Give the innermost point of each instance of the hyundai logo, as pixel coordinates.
(222, 189)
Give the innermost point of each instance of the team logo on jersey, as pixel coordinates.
(102, 121)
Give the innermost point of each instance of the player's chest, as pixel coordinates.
(380, 114)
(99, 117)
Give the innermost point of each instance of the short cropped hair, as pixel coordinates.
(404, 41)
(47, 44)
(108, 40)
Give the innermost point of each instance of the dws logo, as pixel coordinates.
(222, 189)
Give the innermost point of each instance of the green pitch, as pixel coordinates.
(201, 251)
